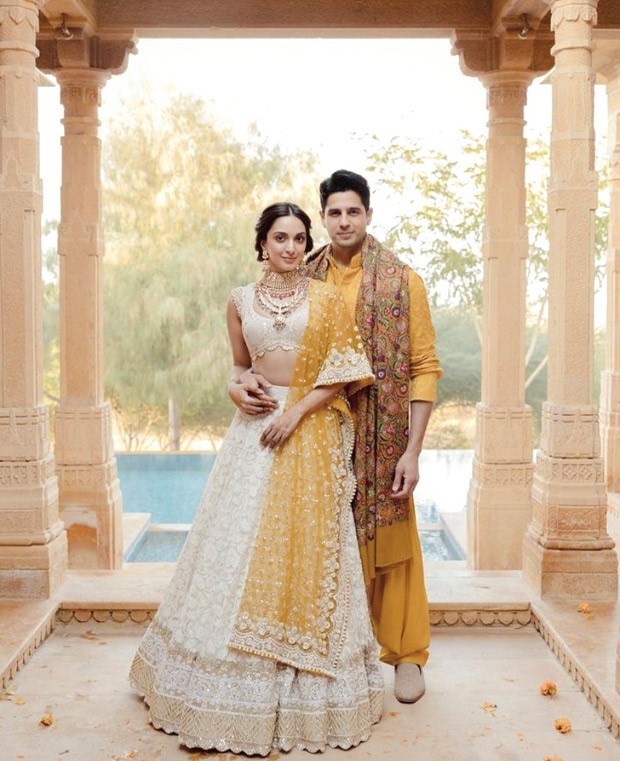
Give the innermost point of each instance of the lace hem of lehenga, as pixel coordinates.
(209, 729)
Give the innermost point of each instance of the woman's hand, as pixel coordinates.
(278, 432)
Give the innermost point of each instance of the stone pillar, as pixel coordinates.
(33, 545)
(499, 503)
(567, 551)
(610, 377)
(90, 499)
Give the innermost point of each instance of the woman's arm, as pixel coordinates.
(278, 432)
(245, 396)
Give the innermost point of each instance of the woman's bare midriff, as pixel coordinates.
(276, 366)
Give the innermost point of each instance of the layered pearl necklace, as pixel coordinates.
(280, 293)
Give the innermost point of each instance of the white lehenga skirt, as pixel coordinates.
(216, 698)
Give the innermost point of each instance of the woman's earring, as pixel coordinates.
(265, 255)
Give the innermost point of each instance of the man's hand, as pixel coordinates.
(250, 396)
(278, 432)
(406, 476)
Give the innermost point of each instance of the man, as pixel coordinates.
(391, 309)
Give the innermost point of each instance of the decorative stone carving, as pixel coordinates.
(84, 434)
(501, 49)
(499, 95)
(85, 51)
(567, 10)
(95, 477)
(22, 11)
(81, 93)
(570, 430)
(493, 474)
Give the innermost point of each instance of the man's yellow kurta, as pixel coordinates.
(398, 596)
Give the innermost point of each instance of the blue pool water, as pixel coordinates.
(169, 487)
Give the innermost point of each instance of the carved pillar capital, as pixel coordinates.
(571, 12)
(84, 51)
(80, 89)
(483, 51)
(17, 13)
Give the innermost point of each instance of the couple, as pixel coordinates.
(263, 640)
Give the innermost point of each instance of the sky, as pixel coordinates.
(318, 94)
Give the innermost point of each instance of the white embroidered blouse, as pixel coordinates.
(258, 330)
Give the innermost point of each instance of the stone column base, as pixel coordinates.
(91, 509)
(589, 575)
(35, 570)
(499, 509)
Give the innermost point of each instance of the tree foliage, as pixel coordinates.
(440, 225)
(181, 195)
(440, 215)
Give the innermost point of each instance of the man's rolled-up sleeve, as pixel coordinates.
(424, 369)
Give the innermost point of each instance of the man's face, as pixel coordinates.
(346, 220)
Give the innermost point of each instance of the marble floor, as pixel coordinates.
(483, 704)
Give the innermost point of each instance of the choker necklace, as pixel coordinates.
(280, 293)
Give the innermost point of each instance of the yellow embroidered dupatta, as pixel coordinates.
(288, 608)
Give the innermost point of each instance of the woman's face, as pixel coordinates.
(285, 244)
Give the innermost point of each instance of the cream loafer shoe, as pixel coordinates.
(409, 683)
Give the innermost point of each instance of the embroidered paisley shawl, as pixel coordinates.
(288, 604)
(382, 316)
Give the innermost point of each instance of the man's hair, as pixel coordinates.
(341, 181)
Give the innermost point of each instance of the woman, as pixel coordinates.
(263, 639)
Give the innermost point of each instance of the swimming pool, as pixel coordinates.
(169, 487)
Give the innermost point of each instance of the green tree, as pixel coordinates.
(440, 224)
(181, 195)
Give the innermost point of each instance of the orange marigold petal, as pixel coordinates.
(548, 687)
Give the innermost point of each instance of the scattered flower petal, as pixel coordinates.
(47, 720)
(548, 688)
(393, 713)
(489, 707)
(563, 725)
(584, 607)
(20, 701)
(553, 758)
